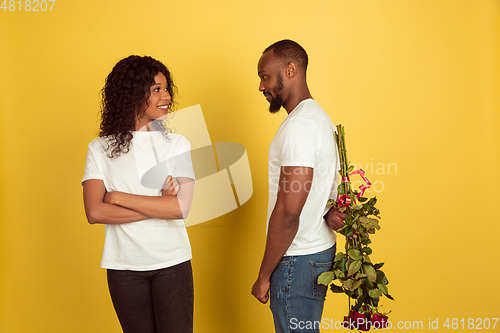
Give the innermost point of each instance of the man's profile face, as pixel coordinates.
(271, 80)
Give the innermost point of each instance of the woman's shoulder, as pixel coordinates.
(98, 142)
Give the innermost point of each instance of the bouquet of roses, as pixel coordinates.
(358, 277)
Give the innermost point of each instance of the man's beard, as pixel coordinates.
(277, 101)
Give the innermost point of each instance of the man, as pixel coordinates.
(303, 175)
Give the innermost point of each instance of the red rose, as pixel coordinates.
(378, 321)
(356, 320)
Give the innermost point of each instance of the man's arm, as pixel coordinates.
(294, 186)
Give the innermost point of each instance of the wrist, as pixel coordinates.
(263, 277)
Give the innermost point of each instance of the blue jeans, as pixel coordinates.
(157, 301)
(296, 297)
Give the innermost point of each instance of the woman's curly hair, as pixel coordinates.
(124, 99)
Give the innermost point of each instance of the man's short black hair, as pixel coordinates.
(289, 51)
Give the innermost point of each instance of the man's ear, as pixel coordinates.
(291, 70)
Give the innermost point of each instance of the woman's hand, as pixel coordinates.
(111, 197)
(171, 186)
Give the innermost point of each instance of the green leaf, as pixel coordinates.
(364, 219)
(354, 254)
(366, 258)
(368, 284)
(339, 256)
(374, 223)
(343, 265)
(367, 250)
(336, 289)
(354, 267)
(381, 277)
(370, 271)
(366, 241)
(389, 297)
(383, 288)
(360, 293)
(345, 230)
(375, 293)
(356, 285)
(379, 265)
(362, 199)
(325, 278)
(361, 300)
(348, 284)
(339, 274)
(350, 169)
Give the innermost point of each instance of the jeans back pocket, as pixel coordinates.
(319, 290)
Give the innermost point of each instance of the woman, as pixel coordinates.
(138, 181)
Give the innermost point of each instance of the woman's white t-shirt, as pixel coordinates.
(153, 243)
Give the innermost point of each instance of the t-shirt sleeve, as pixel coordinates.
(298, 143)
(183, 166)
(91, 169)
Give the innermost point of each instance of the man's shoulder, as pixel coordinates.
(309, 105)
(314, 110)
(308, 113)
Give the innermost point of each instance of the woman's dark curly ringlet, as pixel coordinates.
(124, 98)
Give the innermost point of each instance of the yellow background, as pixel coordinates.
(414, 82)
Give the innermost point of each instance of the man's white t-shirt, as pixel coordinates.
(306, 139)
(153, 243)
